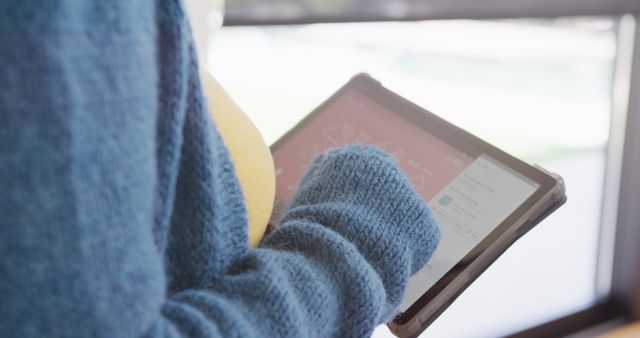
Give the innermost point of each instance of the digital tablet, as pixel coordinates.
(482, 198)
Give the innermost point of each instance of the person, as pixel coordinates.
(121, 214)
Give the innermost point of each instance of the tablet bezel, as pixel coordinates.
(456, 137)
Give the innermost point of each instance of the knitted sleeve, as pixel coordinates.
(337, 266)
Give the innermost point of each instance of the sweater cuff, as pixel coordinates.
(359, 192)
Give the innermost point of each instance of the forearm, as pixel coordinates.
(360, 193)
(336, 266)
(316, 284)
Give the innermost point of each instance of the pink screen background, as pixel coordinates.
(352, 118)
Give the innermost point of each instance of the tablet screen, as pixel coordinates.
(469, 194)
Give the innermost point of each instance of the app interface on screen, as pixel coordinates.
(469, 196)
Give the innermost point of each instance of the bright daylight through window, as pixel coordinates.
(539, 89)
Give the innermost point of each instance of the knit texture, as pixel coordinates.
(121, 215)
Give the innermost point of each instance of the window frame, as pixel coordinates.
(625, 282)
(449, 10)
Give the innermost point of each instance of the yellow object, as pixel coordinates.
(250, 155)
(631, 330)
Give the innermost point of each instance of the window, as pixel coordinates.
(501, 80)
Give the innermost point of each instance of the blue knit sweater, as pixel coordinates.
(121, 216)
